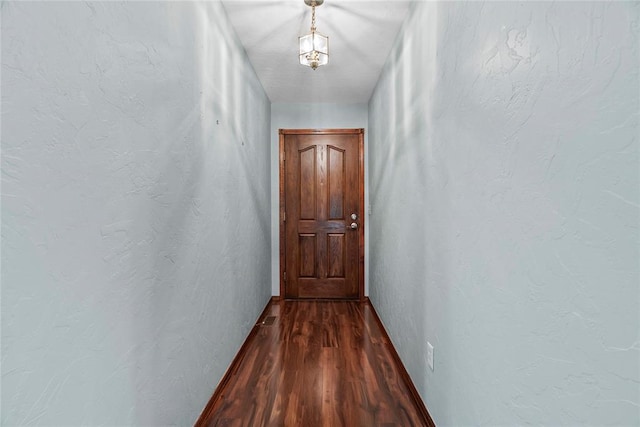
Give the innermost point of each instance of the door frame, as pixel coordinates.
(360, 133)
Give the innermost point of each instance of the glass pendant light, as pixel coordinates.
(314, 47)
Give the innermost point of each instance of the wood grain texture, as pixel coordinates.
(235, 364)
(283, 248)
(308, 176)
(322, 184)
(403, 372)
(362, 216)
(336, 258)
(335, 182)
(307, 262)
(320, 363)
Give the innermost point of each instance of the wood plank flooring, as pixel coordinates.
(315, 363)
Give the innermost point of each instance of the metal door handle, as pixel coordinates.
(354, 225)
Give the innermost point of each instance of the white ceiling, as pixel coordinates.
(361, 34)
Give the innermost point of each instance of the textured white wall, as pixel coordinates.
(135, 209)
(308, 116)
(504, 182)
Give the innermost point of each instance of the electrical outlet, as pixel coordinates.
(430, 355)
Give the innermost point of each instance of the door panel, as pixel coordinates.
(336, 249)
(335, 182)
(307, 185)
(307, 255)
(321, 187)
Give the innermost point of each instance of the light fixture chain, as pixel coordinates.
(314, 49)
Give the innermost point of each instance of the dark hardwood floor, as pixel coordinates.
(316, 363)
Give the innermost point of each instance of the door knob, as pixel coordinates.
(354, 225)
(354, 216)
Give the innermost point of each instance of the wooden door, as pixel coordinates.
(321, 191)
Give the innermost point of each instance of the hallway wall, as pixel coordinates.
(309, 116)
(135, 210)
(504, 189)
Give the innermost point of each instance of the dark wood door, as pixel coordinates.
(322, 203)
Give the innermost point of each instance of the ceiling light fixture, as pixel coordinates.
(314, 47)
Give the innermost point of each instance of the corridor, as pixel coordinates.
(141, 216)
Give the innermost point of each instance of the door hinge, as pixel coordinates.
(285, 276)
(284, 216)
